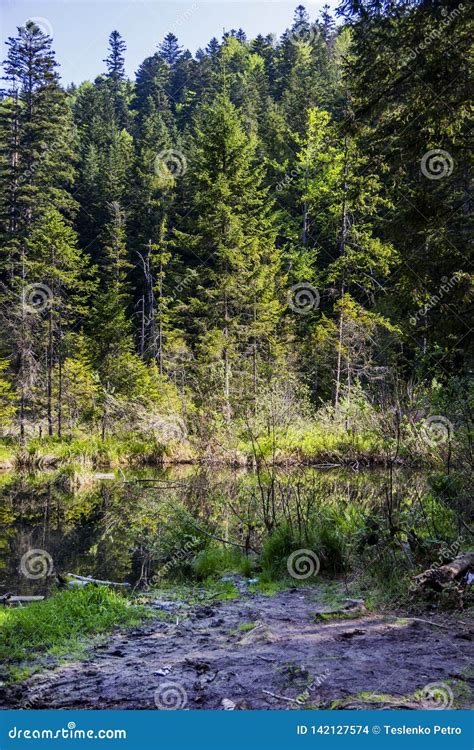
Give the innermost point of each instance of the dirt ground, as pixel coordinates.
(261, 652)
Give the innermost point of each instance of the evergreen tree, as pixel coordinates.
(170, 50)
(230, 231)
(341, 205)
(37, 136)
(59, 271)
(115, 60)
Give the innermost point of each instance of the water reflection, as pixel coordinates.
(111, 529)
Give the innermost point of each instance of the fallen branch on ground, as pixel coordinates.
(88, 579)
(439, 577)
(8, 599)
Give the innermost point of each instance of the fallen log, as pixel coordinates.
(87, 579)
(438, 577)
(8, 599)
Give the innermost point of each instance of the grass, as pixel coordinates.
(7, 453)
(270, 588)
(215, 560)
(58, 626)
(193, 594)
(95, 451)
(246, 627)
(344, 614)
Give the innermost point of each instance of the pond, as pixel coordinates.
(116, 526)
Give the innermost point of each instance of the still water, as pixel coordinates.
(112, 527)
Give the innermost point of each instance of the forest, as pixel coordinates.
(236, 356)
(258, 249)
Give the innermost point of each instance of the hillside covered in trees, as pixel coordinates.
(257, 251)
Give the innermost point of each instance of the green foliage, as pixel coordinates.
(215, 560)
(57, 625)
(169, 219)
(7, 408)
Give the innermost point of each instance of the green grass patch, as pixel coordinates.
(246, 627)
(192, 594)
(270, 588)
(343, 614)
(58, 625)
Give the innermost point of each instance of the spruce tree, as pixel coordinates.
(230, 240)
(169, 49)
(115, 60)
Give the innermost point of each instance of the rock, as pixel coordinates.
(353, 603)
(227, 704)
(165, 606)
(203, 611)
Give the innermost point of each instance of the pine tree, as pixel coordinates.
(58, 269)
(7, 397)
(37, 137)
(230, 232)
(341, 203)
(115, 59)
(170, 50)
(328, 26)
(398, 54)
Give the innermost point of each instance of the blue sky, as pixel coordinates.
(80, 28)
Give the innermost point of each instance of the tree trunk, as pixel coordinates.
(342, 250)
(60, 382)
(338, 363)
(50, 374)
(226, 363)
(160, 320)
(438, 577)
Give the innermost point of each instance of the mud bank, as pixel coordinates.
(260, 652)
